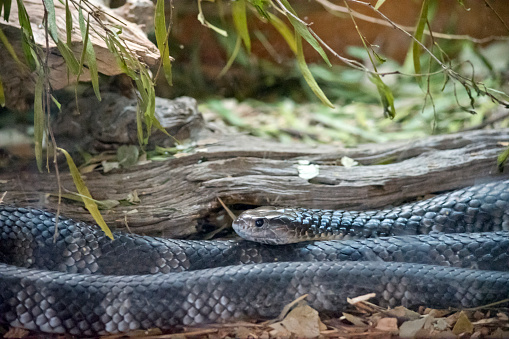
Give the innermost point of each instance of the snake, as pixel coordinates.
(451, 250)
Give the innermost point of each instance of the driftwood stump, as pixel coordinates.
(180, 194)
(19, 82)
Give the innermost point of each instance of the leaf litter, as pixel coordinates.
(363, 320)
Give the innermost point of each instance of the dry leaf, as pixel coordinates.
(451, 320)
(354, 320)
(502, 316)
(441, 324)
(388, 325)
(133, 198)
(307, 170)
(410, 328)
(244, 332)
(279, 331)
(360, 298)
(403, 313)
(463, 325)
(109, 165)
(348, 162)
(303, 321)
(88, 168)
(499, 333)
(15, 332)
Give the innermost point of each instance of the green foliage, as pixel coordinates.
(39, 121)
(355, 118)
(2, 94)
(418, 35)
(204, 22)
(162, 39)
(89, 202)
(27, 39)
(261, 6)
(302, 30)
(386, 96)
(307, 74)
(240, 21)
(379, 4)
(6, 5)
(88, 53)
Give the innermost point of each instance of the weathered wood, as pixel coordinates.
(19, 83)
(179, 194)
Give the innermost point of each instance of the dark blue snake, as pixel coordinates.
(83, 283)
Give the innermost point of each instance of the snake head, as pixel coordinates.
(268, 225)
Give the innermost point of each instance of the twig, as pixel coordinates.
(367, 18)
(495, 118)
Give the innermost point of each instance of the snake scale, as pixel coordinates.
(85, 284)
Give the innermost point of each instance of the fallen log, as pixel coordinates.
(179, 195)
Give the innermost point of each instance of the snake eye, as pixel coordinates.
(259, 222)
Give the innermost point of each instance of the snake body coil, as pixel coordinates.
(85, 284)
(481, 208)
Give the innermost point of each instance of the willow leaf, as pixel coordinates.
(261, 7)
(301, 61)
(89, 202)
(386, 96)
(2, 95)
(70, 60)
(139, 123)
(90, 54)
(68, 23)
(204, 22)
(116, 49)
(56, 102)
(285, 32)
(162, 41)
(418, 35)
(9, 48)
(232, 57)
(379, 3)
(502, 159)
(302, 29)
(38, 119)
(6, 4)
(240, 21)
(52, 23)
(27, 40)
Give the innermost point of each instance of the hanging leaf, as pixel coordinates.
(89, 202)
(68, 23)
(261, 7)
(502, 159)
(201, 19)
(2, 95)
(38, 119)
(379, 3)
(232, 58)
(386, 96)
(52, 24)
(162, 41)
(285, 32)
(304, 32)
(28, 37)
(6, 4)
(306, 73)
(89, 52)
(55, 101)
(240, 21)
(9, 48)
(70, 60)
(418, 35)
